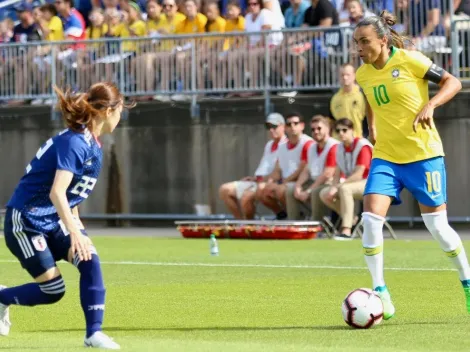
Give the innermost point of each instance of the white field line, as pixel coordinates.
(269, 266)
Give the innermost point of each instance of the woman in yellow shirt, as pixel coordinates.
(210, 48)
(235, 23)
(156, 28)
(408, 151)
(164, 64)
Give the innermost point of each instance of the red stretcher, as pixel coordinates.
(250, 229)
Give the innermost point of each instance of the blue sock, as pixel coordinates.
(92, 293)
(381, 289)
(34, 294)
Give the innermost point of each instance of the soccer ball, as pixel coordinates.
(362, 309)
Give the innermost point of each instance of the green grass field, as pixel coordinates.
(171, 295)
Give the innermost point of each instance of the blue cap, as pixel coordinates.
(24, 6)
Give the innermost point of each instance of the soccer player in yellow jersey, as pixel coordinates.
(408, 151)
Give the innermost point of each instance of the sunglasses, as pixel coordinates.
(341, 130)
(293, 123)
(253, 4)
(314, 129)
(270, 126)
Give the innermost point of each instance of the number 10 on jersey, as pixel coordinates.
(380, 95)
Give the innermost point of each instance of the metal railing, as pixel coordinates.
(205, 64)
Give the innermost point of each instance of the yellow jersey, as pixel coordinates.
(351, 105)
(197, 25)
(56, 29)
(172, 25)
(396, 94)
(217, 26)
(237, 25)
(156, 25)
(124, 31)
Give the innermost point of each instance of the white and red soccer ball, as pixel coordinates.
(362, 309)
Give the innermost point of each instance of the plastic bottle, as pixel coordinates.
(214, 247)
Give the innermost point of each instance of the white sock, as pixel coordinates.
(372, 241)
(450, 242)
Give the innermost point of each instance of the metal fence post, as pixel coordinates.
(454, 39)
(267, 76)
(194, 104)
(53, 79)
(122, 80)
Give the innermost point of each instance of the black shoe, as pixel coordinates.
(343, 237)
(282, 215)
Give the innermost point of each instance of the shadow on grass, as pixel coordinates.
(206, 328)
(254, 328)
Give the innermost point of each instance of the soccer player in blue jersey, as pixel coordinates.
(42, 224)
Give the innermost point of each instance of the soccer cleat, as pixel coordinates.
(466, 289)
(101, 340)
(384, 294)
(4, 318)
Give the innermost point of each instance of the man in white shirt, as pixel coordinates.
(240, 196)
(291, 161)
(321, 166)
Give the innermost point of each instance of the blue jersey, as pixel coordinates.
(76, 152)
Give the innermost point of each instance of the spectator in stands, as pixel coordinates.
(256, 20)
(295, 14)
(349, 101)
(25, 31)
(211, 47)
(90, 70)
(51, 30)
(292, 63)
(354, 156)
(195, 22)
(317, 175)
(275, 7)
(292, 158)
(357, 12)
(72, 20)
(240, 196)
(164, 57)
(6, 30)
(97, 28)
(424, 23)
(235, 23)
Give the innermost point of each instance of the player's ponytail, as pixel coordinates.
(79, 110)
(383, 26)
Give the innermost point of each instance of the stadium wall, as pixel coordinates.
(166, 162)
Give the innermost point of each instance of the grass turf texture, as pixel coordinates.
(292, 306)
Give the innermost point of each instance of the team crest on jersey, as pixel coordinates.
(395, 73)
(39, 242)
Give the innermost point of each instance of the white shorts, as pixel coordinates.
(242, 186)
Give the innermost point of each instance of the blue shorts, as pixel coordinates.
(36, 251)
(425, 179)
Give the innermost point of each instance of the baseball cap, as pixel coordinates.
(36, 3)
(24, 6)
(276, 119)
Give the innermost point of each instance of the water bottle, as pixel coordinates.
(213, 246)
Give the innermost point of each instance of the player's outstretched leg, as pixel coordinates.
(450, 242)
(92, 298)
(372, 242)
(31, 295)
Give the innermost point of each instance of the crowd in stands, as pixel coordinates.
(151, 64)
